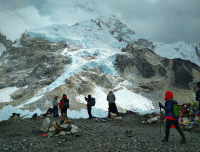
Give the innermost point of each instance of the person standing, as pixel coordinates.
(111, 103)
(171, 119)
(89, 106)
(198, 95)
(55, 107)
(64, 105)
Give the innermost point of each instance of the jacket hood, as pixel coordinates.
(174, 101)
(168, 95)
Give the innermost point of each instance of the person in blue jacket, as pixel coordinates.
(171, 119)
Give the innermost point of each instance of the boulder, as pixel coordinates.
(50, 134)
(117, 118)
(52, 129)
(66, 127)
(152, 120)
(74, 129)
(62, 133)
(45, 125)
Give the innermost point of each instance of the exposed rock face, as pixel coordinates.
(145, 44)
(7, 43)
(197, 48)
(182, 73)
(139, 60)
(85, 81)
(117, 28)
(154, 75)
(36, 63)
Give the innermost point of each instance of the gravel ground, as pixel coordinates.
(127, 135)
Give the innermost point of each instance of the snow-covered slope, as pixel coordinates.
(180, 50)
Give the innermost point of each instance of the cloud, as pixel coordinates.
(167, 21)
(17, 21)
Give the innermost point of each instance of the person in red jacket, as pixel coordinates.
(171, 119)
(64, 105)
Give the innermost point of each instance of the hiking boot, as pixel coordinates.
(183, 141)
(164, 140)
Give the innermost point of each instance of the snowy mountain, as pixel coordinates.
(93, 57)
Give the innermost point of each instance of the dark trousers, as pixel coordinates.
(112, 108)
(199, 106)
(64, 112)
(89, 108)
(168, 126)
(55, 111)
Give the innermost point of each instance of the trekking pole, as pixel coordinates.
(160, 122)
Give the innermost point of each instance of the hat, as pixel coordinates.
(64, 95)
(168, 95)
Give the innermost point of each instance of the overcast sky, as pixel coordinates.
(165, 21)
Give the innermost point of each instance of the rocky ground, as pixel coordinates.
(108, 135)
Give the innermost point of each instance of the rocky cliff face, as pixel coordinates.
(6, 42)
(32, 66)
(152, 75)
(117, 28)
(197, 48)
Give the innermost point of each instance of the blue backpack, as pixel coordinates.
(92, 101)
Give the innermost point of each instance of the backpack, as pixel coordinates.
(92, 101)
(65, 104)
(175, 109)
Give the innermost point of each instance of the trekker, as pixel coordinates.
(171, 119)
(111, 102)
(55, 107)
(64, 105)
(198, 95)
(89, 107)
